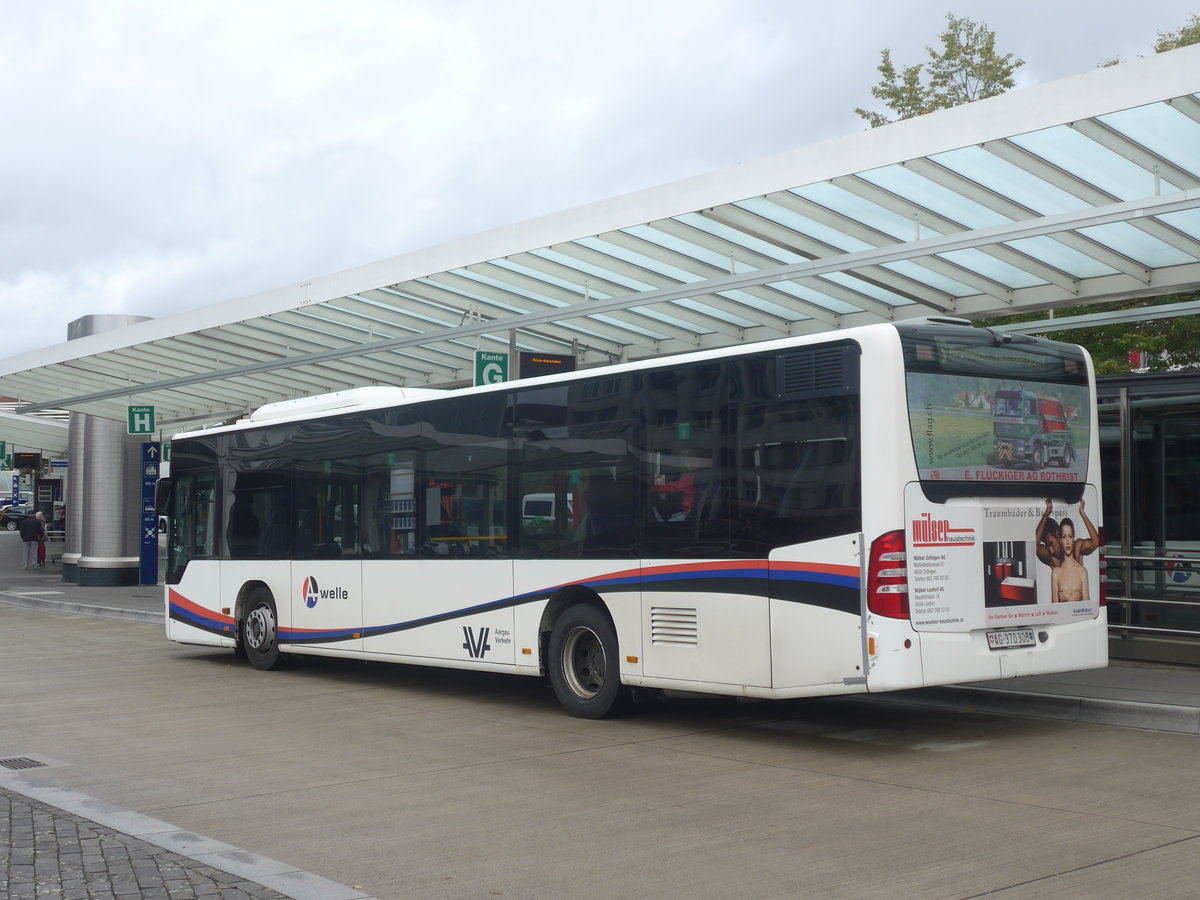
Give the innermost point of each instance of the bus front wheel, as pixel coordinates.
(584, 665)
(260, 631)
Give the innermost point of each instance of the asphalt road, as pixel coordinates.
(413, 782)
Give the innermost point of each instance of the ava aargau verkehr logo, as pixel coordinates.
(311, 592)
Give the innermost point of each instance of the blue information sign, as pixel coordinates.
(148, 568)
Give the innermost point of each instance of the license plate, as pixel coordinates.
(1003, 640)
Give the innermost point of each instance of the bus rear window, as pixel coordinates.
(996, 415)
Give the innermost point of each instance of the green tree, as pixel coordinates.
(1167, 343)
(1187, 35)
(967, 68)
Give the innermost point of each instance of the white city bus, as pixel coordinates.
(832, 514)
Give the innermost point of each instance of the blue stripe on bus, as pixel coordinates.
(791, 582)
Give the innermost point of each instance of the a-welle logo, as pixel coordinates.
(311, 592)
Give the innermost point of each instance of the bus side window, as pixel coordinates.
(275, 540)
(244, 527)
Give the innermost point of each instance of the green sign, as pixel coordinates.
(141, 420)
(490, 368)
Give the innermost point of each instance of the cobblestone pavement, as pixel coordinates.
(47, 852)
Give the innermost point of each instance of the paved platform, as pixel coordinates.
(70, 845)
(60, 843)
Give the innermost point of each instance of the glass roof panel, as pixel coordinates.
(1094, 163)
(815, 297)
(1136, 244)
(771, 309)
(991, 268)
(721, 315)
(739, 238)
(594, 294)
(1187, 221)
(509, 287)
(469, 295)
(858, 209)
(1162, 129)
(639, 259)
(1060, 256)
(919, 273)
(628, 326)
(555, 256)
(914, 188)
(656, 312)
(874, 291)
(695, 251)
(415, 311)
(781, 215)
(1009, 181)
(588, 268)
(575, 287)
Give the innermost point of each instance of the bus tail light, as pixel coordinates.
(1103, 569)
(887, 576)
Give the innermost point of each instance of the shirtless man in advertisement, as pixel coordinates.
(1068, 580)
(1050, 549)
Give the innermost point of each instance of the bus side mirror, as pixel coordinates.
(162, 496)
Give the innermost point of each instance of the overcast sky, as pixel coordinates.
(163, 156)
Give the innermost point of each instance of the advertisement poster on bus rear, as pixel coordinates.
(983, 429)
(1001, 563)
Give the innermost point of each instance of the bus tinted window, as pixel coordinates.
(731, 470)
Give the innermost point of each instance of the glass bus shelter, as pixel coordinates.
(1150, 456)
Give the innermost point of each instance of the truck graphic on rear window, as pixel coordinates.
(1030, 430)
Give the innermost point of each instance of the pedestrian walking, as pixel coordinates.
(41, 547)
(32, 533)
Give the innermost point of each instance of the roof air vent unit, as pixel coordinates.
(829, 370)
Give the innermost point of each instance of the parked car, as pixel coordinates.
(12, 516)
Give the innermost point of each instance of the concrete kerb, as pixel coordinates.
(145, 617)
(270, 873)
(1089, 710)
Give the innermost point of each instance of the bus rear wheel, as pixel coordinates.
(584, 667)
(260, 631)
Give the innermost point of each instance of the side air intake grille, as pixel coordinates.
(826, 371)
(673, 626)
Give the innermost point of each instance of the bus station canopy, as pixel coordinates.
(1072, 192)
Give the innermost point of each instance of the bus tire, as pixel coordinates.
(583, 663)
(260, 630)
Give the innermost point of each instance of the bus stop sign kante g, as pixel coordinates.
(490, 368)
